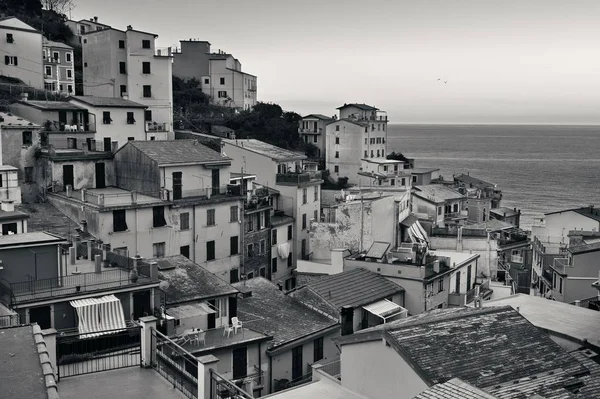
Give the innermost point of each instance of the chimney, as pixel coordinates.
(129, 27)
(71, 255)
(153, 271)
(337, 261)
(347, 320)
(24, 96)
(95, 19)
(98, 264)
(89, 250)
(577, 303)
(105, 250)
(125, 96)
(8, 205)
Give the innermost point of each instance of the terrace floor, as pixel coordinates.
(131, 383)
(214, 338)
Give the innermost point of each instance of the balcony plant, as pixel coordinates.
(133, 275)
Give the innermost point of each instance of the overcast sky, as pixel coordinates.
(505, 61)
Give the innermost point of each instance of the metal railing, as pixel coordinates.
(10, 320)
(157, 127)
(297, 178)
(251, 382)
(333, 369)
(221, 388)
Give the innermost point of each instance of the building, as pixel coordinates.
(127, 64)
(385, 173)
(219, 73)
(118, 119)
(59, 72)
(572, 327)
(22, 52)
(354, 222)
(82, 27)
(286, 171)
(442, 205)
(479, 189)
(42, 279)
(504, 214)
(430, 279)
(312, 129)
(12, 221)
(551, 239)
(282, 249)
(301, 335)
(360, 133)
(358, 297)
(493, 349)
(573, 275)
(423, 176)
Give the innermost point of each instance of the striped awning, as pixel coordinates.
(418, 233)
(97, 316)
(384, 308)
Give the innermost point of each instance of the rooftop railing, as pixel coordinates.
(156, 127)
(298, 178)
(333, 369)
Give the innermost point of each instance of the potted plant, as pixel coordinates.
(133, 275)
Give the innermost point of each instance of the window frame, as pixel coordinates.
(211, 217)
(156, 246)
(210, 250)
(234, 212)
(130, 118)
(184, 221)
(117, 219)
(318, 349)
(146, 68)
(146, 44)
(158, 216)
(274, 237)
(147, 91)
(234, 249)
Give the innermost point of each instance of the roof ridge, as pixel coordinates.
(45, 362)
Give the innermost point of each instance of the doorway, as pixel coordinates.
(100, 175)
(141, 304)
(68, 176)
(211, 318)
(457, 288)
(42, 316)
(216, 181)
(240, 363)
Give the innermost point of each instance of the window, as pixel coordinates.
(274, 265)
(250, 223)
(318, 349)
(455, 207)
(27, 138)
(121, 43)
(222, 94)
(158, 249)
(233, 213)
(106, 118)
(441, 285)
(122, 90)
(414, 179)
(210, 250)
(263, 247)
(85, 64)
(372, 155)
(560, 281)
(377, 153)
(9, 38)
(372, 141)
(145, 67)
(68, 57)
(9, 228)
(404, 181)
(289, 235)
(366, 154)
(69, 73)
(233, 245)
(274, 237)
(158, 216)
(303, 221)
(289, 260)
(210, 217)
(336, 169)
(147, 91)
(439, 210)
(316, 216)
(222, 81)
(234, 276)
(145, 43)
(184, 221)
(315, 139)
(297, 364)
(250, 276)
(337, 140)
(28, 174)
(250, 252)
(337, 128)
(337, 154)
(206, 81)
(119, 220)
(130, 118)
(122, 67)
(55, 56)
(11, 60)
(304, 199)
(148, 115)
(48, 70)
(316, 193)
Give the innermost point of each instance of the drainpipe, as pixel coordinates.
(194, 233)
(259, 363)
(242, 228)
(362, 217)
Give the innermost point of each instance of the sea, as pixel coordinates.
(539, 168)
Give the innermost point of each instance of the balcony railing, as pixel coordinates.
(333, 369)
(222, 388)
(156, 127)
(298, 178)
(10, 320)
(251, 382)
(561, 265)
(311, 131)
(75, 284)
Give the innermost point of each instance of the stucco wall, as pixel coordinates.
(488, 260)
(350, 148)
(23, 264)
(118, 130)
(389, 375)
(27, 47)
(192, 61)
(283, 271)
(102, 56)
(84, 172)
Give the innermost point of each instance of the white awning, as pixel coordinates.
(283, 250)
(99, 316)
(384, 309)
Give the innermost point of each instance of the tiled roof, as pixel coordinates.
(25, 367)
(472, 180)
(52, 105)
(354, 288)
(318, 116)
(166, 152)
(485, 348)
(591, 212)
(109, 102)
(53, 44)
(364, 107)
(279, 220)
(591, 361)
(271, 312)
(348, 120)
(267, 149)
(504, 211)
(580, 249)
(189, 281)
(9, 120)
(454, 389)
(437, 193)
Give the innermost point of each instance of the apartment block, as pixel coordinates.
(127, 64)
(220, 74)
(21, 52)
(312, 129)
(59, 72)
(82, 27)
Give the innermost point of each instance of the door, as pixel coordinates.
(141, 304)
(41, 316)
(303, 249)
(185, 251)
(177, 185)
(100, 175)
(457, 288)
(211, 319)
(68, 176)
(215, 181)
(468, 278)
(62, 119)
(296, 362)
(107, 144)
(240, 363)
(232, 306)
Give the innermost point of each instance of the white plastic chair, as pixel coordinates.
(235, 324)
(227, 329)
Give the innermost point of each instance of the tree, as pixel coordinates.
(58, 6)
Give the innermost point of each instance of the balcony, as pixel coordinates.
(73, 127)
(332, 369)
(217, 338)
(298, 178)
(155, 127)
(561, 265)
(251, 382)
(515, 239)
(310, 131)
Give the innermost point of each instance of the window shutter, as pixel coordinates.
(6, 59)
(16, 61)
